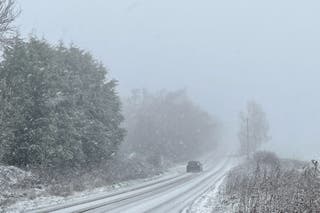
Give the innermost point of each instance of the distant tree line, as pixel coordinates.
(167, 125)
(60, 110)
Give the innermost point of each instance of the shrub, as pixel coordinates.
(266, 184)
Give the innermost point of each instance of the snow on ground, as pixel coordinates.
(207, 201)
(211, 200)
(38, 198)
(25, 203)
(15, 184)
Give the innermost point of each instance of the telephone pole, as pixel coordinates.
(248, 138)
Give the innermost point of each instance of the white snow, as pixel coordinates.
(207, 201)
(26, 204)
(182, 193)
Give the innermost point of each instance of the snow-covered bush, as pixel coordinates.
(119, 169)
(15, 183)
(267, 184)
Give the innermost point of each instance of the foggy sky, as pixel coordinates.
(223, 52)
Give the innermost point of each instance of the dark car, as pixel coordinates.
(194, 166)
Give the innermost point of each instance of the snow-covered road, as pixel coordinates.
(176, 193)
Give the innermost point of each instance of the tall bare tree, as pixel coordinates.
(254, 128)
(8, 13)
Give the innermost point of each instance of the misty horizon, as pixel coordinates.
(223, 53)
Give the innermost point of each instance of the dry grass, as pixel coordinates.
(267, 184)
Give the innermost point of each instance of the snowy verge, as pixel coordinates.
(204, 203)
(211, 199)
(25, 203)
(266, 183)
(15, 184)
(34, 195)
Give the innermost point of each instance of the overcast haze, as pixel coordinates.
(223, 52)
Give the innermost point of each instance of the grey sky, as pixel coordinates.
(223, 52)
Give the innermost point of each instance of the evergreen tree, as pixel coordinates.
(59, 108)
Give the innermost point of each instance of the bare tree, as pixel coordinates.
(254, 128)
(8, 13)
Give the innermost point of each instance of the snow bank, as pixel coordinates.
(45, 199)
(15, 183)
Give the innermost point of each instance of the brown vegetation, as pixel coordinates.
(267, 184)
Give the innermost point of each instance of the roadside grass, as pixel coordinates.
(266, 183)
